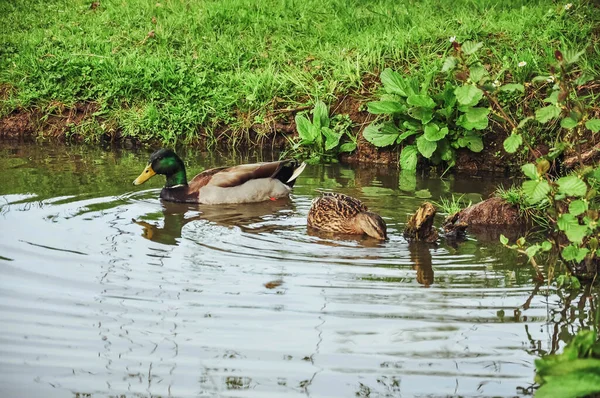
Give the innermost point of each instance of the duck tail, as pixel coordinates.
(288, 171)
(297, 171)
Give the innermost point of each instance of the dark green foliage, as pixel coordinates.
(322, 139)
(435, 122)
(575, 372)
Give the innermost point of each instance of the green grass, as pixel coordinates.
(220, 63)
(516, 197)
(452, 205)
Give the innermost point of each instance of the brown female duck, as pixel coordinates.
(245, 183)
(335, 212)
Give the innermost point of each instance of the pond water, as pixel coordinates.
(106, 291)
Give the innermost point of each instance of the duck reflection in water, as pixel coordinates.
(421, 258)
(244, 216)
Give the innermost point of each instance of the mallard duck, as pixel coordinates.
(336, 212)
(244, 183)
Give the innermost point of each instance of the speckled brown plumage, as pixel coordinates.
(335, 212)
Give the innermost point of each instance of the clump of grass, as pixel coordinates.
(513, 195)
(453, 205)
(172, 69)
(516, 197)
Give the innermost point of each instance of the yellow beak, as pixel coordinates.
(145, 176)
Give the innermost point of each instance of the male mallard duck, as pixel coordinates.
(335, 212)
(245, 183)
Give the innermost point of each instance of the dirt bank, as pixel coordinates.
(67, 123)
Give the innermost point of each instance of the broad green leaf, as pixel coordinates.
(321, 115)
(305, 129)
(572, 363)
(470, 47)
(530, 171)
(593, 124)
(448, 96)
(446, 151)
(477, 72)
(477, 115)
(405, 135)
(463, 121)
(391, 97)
(568, 123)
(421, 100)
(423, 114)
(411, 125)
(546, 245)
(449, 64)
(426, 147)
(385, 107)
(578, 207)
(503, 239)
(434, 133)
(536, 191)
(575, 384)
(513, 142)
(574, 253)
(531, 251)
(445, 112)
(468, 95)
(408, 158)
(394, 83)
(572, 186)
(348, 147)
(381, 135)
(547, 113)
(512, 87)
(471, 141)
(553, 98)
(570, 226)
(332, 137)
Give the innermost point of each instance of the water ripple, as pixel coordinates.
(120, 294)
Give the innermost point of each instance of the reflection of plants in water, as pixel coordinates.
(576, 311)
(231, 382)
(237, 383)
(391, 386)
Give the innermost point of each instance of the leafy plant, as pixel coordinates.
(566, 205)
(321, 138)
(575, 372)
(432, 124)
(562, 106)
(572, 213)
(516, 197)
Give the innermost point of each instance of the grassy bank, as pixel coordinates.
(179, 70)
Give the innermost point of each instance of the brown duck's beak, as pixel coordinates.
(145, 176)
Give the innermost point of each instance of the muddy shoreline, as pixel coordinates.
(65, 124)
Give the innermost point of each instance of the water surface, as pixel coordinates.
(106, 291)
